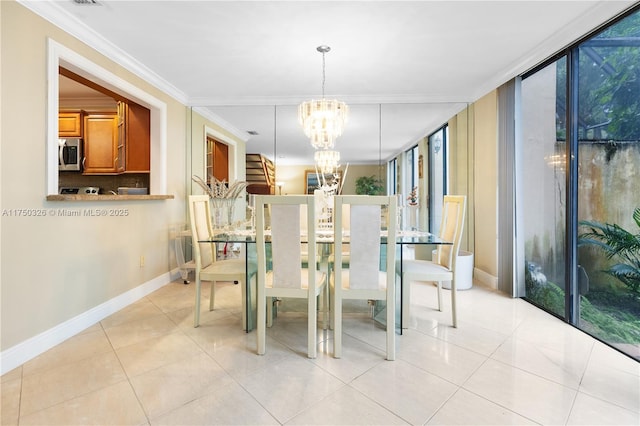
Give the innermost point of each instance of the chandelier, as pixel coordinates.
(327, 161)
(323, 120)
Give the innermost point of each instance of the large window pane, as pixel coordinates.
(437, 177)
(543, 126)
(608, 185)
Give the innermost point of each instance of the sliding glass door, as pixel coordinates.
(580, 123)
(544, 185)
(608, 188)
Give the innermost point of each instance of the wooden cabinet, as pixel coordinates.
(116, 142)
(101, 144)
(121, 138)
(137, 137)
(70, 124)
(217, 161)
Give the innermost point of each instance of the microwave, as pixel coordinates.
(70, 154)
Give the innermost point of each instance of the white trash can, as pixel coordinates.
(464, 266)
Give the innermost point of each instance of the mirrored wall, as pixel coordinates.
(374, 134)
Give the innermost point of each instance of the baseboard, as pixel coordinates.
(30, 348)
(485, 278)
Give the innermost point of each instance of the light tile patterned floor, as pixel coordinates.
(506, 363)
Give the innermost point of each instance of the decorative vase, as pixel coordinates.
(412, 220)
(222, 211)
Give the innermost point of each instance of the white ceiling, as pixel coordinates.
(413, 64)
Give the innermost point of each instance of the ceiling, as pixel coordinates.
(404, 67)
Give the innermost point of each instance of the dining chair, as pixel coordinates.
(346, 226)
(319, 202)
(207, 267)
(364, 277)
(288, 276)
(443, 266)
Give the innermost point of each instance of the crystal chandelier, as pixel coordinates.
(327, 161)
(323, 120)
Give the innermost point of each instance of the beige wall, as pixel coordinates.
(486, 184)
(56, 268)
(473, 172)
(461, 177)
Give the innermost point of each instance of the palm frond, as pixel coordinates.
(636, 216)
(617, 243)
(627, 274)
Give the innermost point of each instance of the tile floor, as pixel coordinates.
(507, 363)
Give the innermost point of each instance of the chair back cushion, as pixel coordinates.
(200, 229)
(285, 245)
(364, 247)
(451, 230)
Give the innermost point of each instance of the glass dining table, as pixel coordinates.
(246, 242)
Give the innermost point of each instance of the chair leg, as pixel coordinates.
(440, 296)
(327, 301)
(391, 330)
(406, 300)
(246, 311)
(337, 328)
(454, 292)
(196, 311)
(269, 305)
(312, 325)
(261, 301)
(249, 318)
(212, 297)
(331, 301)
(324, 297)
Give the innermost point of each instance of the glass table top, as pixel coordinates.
(325, 236)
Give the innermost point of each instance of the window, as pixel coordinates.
(392, 176)
(411, 157)
(438, 149)
(608, 148)
(581, 145)
(544, 183)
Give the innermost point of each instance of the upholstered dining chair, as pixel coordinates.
(443, 266)
(319, 201)
(207, 267)
(363, 277)
(289, 276)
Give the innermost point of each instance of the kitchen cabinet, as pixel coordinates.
(137, 137)
(70, 124)
(103, 149)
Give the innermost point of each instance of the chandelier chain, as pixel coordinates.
(323, 74)
(323, 119)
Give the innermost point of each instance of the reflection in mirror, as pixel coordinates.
(374, 134)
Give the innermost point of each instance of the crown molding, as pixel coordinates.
(351, 100)
(54, 13)
(224, 124)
